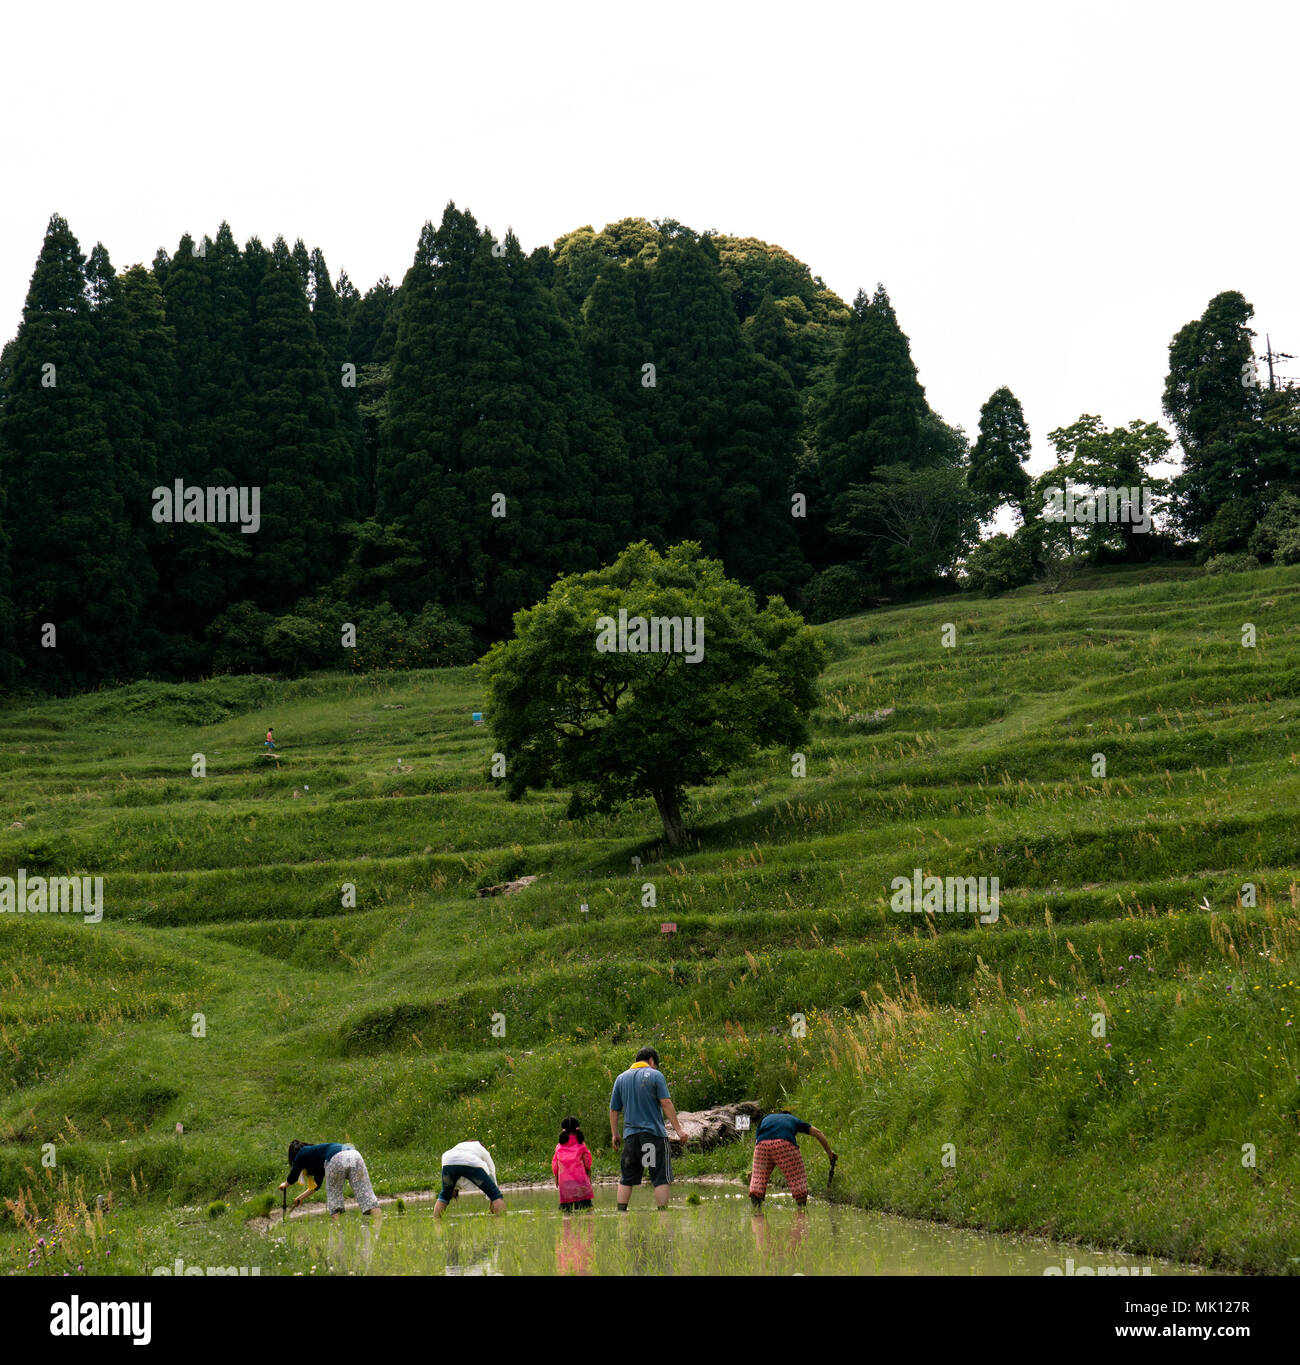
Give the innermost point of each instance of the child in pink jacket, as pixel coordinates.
(571, 1165)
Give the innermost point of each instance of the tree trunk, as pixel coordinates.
(670, 813)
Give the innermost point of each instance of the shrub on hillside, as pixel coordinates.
(1277, 536)
(387, 639)
(1288, 547)
(247, 640)
(236, 639)
(1231, 564)
(841, 590)
(999, 564)
(1231, 528)
(293, 644)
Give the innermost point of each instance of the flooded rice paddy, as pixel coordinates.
(720, 1235)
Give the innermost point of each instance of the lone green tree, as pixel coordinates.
(997, 464)
(570, 709)
(1089, 456)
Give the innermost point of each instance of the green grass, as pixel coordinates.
(373, 1023)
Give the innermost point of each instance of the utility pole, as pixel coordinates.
(1271, 355)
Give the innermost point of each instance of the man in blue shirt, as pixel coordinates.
(640, 1094)
(776, 1143)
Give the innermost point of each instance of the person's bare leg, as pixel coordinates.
(624, 1194)
(661, 1195)
(438, 1206)
(498, 1206)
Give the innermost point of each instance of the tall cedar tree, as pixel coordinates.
(1212, 408)
(8, 659)
(750, 413)
(78, 569)
(541, 434)
(206, 568)
(875, 410)
(305, 464)
(132, 409)
(487, 397)
(416, 479)
(372, 334)
(152, 385)
(616, 349)
(997, 465)
(8, 656)
(332, 334)
(713, 440)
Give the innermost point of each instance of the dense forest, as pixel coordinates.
(408, 467)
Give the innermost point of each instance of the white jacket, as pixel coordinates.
(470, 1154)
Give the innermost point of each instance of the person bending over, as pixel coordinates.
(776, 1144)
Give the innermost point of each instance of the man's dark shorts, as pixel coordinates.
(476, 1175)
(645, 1154)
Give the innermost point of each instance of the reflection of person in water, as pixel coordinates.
(649, 1244)
(573, 1249)
(766, 1244)
(344, 1248)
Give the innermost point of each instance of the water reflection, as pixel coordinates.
(649, 1242)
(718, 1235)
(782, 1245)
(573, 1250)
(346, 1244)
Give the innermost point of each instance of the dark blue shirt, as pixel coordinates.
(312, 1160)
(781, 1128)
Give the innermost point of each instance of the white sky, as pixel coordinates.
(1048, 193)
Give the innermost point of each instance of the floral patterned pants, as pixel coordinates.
(783, 1155)
(348, 1165)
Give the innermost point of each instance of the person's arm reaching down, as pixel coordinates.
(295, 1173)
(311, 1189)
(821, 1137)
(667, 1106)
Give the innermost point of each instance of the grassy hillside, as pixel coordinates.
(373, 1024)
